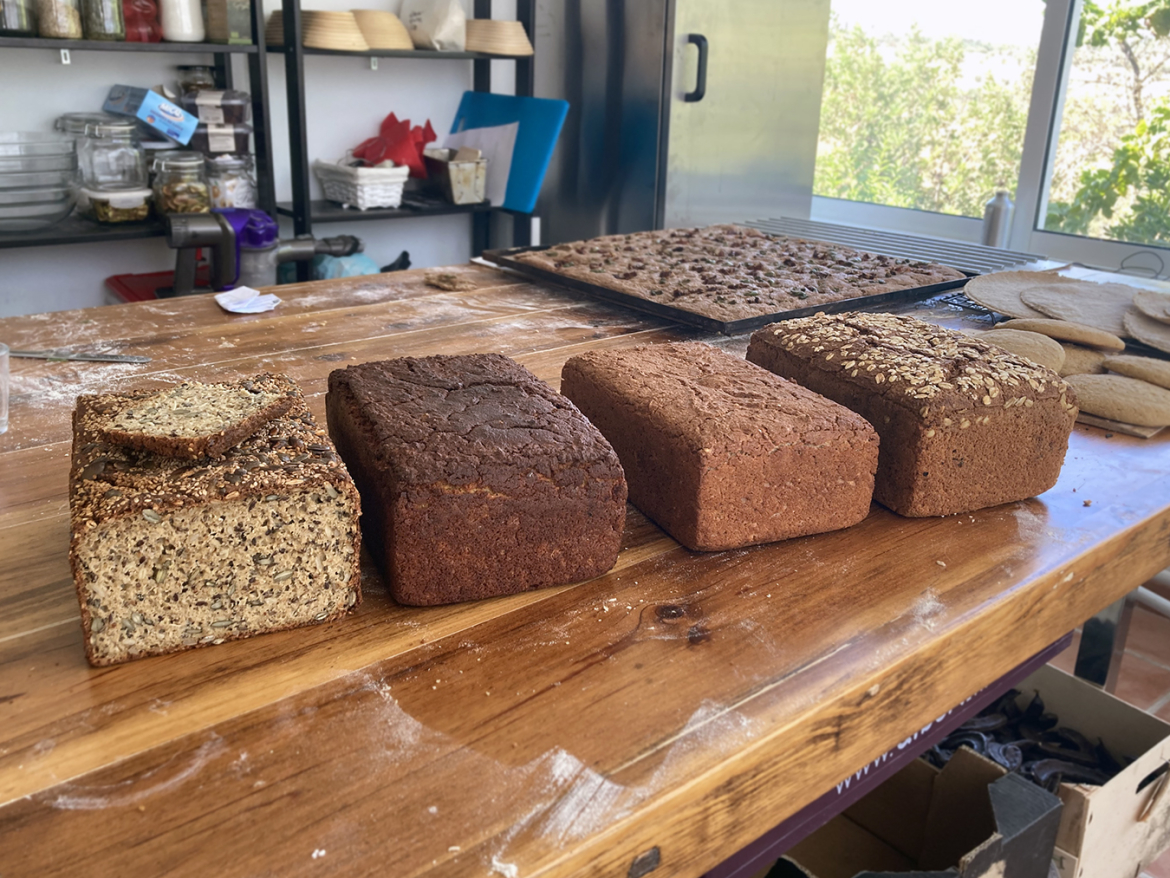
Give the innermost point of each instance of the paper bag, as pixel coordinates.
(436, 24)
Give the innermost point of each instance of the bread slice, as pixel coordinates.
(194, 420)
(169, 554)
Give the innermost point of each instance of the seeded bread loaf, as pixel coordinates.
(963, 423)
(477, 478)
(169, 554)
(195, 419)
(721, 453)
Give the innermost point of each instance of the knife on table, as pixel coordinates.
(69, 355)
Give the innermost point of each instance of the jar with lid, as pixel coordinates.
(193, 77)
(232, 179)
(111, 156)
(141, 18)
(60, 19)
(182, 21)
(102, 20)
(180, 184)
(114, 205)
(17, 18)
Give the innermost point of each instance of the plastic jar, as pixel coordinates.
(232, 179)
(18, 18)
(102, 20)
(180, 184)
(111, 156)
(193, 77)
(60, 19)
(182, 21)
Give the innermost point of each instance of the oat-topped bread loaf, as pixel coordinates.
(721, 453)
(477, 478)
(195, 419)
(169, 554)
(963, 424)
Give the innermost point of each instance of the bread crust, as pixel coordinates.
(478, 479)
(723, 454)
(963, 424)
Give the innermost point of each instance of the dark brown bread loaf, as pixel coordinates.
(169, 554)
(477, 478)
(721, 453)
(963, 423)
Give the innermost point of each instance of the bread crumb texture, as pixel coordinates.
(170, 553)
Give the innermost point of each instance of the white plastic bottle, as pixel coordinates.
(182, 21)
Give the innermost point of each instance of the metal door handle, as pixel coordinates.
(701, 80)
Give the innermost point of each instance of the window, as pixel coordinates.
(929, 107)
(925, 104)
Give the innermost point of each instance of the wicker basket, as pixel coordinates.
(362, 188)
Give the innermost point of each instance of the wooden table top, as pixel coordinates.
(685, 701)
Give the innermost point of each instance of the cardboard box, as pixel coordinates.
(165, 117)
(460, 175)
(1115, 830)
(971, 819)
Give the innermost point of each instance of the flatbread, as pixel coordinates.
(1122, 399)
(1142, 368)
(1099, 305)
(1040, 349)
(1066, 330)
(1001, 290)
(1148, 330)
(1082, 361)
(1152, 304)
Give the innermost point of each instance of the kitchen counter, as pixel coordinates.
(684, 703)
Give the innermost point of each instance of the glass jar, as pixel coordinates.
(75, 123)
(193, 77)
(182, 21)
(111, 156)
(232, 179)
(180, 184)
(114, 205)
(60, 19)
(141, 18)
(102, 20)
(17, 18)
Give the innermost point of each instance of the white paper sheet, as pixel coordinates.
(245, 300)
(496, 143)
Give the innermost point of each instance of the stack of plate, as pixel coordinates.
(38, 180)
(337, 31)
(498, 37)
(382, 29)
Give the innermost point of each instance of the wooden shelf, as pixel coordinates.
(78, 230)
(321, 211)
(110, 46)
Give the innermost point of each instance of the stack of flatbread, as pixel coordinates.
(1078, 328)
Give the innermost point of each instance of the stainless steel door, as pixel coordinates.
(607, 60)
(747, 148)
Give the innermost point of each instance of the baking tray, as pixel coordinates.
(504, 258)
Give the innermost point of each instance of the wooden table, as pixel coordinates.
(684, 701)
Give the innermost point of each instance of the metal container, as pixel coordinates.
(997, 220)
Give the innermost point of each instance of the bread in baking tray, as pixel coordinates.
(169, 554)
(195, 419)
(730, 273)
(963, 424)
(721, 453)
(477, 479)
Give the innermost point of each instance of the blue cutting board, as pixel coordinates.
(540, 125)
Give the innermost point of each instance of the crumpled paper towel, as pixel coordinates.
(245, 300)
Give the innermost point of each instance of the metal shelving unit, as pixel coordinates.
(305, 211)
(77, 230)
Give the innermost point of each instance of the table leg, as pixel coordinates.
(1103, 644)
